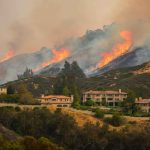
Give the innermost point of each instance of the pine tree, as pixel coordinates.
(76, 93)
(66, 91)
(66, 70)
(76, 70)
(27, 74)
(67, 83)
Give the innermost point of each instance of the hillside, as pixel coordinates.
(133, 58)
(134, 79)
(9, 69)
(37, 85)
(8, 134)
(84, 116)
(87, 50)
(129, 79)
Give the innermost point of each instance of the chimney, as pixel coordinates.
(119, 90)
(72, 97)
(42, 95)
(136, 99)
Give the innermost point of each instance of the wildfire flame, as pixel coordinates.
(7, 56)
(58, 56)
(117, 50)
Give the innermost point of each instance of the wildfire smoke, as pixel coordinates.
(118, 50)
(7, 56)
(57, 57)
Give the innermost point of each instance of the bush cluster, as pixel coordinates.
(28, 143)
(63, 130)
(115, 120)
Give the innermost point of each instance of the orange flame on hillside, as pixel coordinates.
(117, 50)
(7, 56)
(58, 56)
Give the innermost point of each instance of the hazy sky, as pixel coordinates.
(28, 25)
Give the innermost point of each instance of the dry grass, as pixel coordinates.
(82, 117)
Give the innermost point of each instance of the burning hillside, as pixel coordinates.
(57, 57)
(7, 56)
(118, 50)
(96, 49)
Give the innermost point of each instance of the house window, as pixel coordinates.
(110, 99)
(97, 99)
(103, 99)
(53, 99)
(88, 95)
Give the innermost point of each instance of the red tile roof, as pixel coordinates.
(142, 101)
(56, 96)
(104, 92)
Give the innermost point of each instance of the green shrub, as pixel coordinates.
(89, 103)
(115, 120)
(82, 107)
(14, 98)
(99, 113)
(112, 111)
(76, 105)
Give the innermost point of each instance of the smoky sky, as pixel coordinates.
(28, 25)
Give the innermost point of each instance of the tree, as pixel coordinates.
(67, 83)
(131, 97)
(27, 74)
(22, 89)
(75, 92)
(27, 98)
(115, 120)
(99, 113)
(10, 90)
(13, 98)
(66, 91)
(76, 70)
(89, 102)
(66, 70)
(128, 105)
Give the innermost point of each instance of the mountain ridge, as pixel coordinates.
(111, 80)
(86, 50)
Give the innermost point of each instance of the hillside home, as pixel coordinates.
(57, 100)
(143, 103)
(111, 98)
(3, 90)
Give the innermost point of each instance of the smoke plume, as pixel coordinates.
(28, 25)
